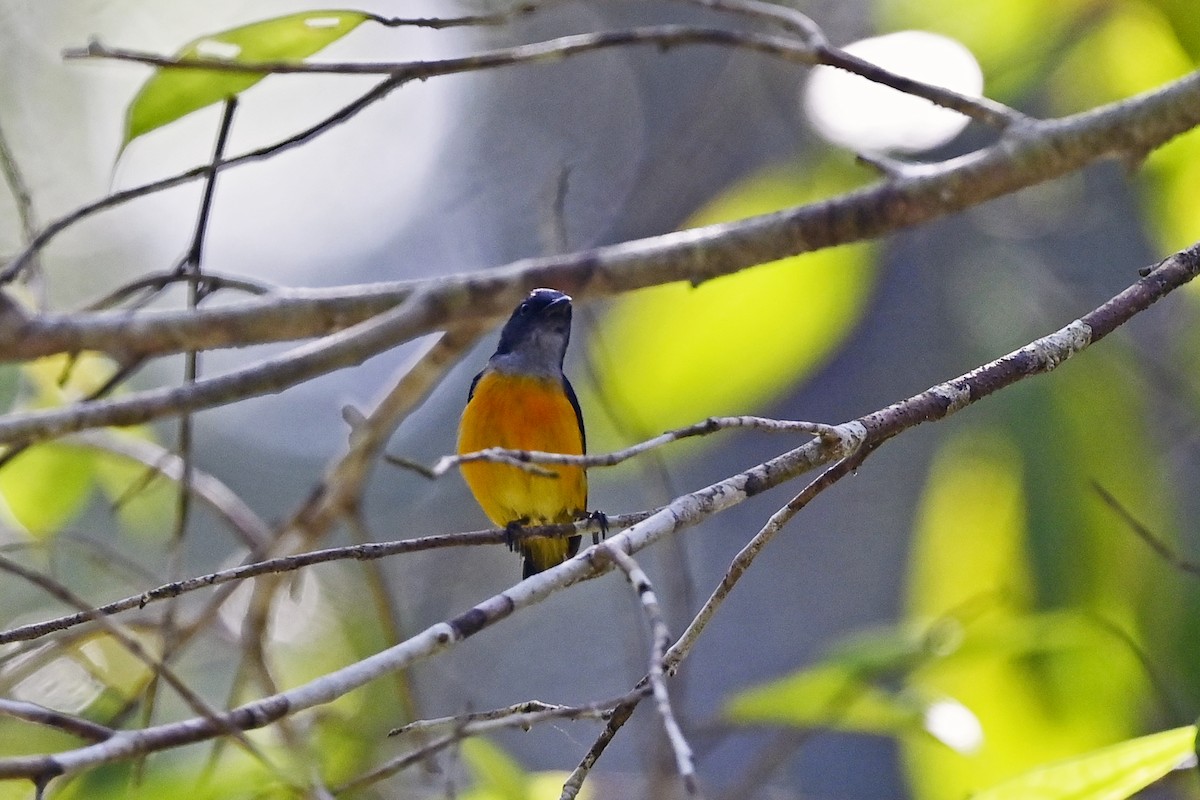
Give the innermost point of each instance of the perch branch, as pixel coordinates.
(871, 430)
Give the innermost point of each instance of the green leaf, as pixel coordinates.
(146, 499)
(1014, 40)
(1112, 773)
(670, 355)
(830, 696)
(497, 775)
(173, 93)
(1133, 49)
(46, 486)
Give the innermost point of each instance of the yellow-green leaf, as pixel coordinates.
(46, 486)
(1111, 773)
(1132, 49)
(670, 355)
(93, 675)
(1013, 39)
(497, 775)
(146, 500)
(173, 93)
(827, 696)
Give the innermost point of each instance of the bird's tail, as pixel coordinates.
(544, 552)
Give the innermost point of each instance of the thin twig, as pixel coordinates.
(191, 268)
(750, 551)
(470, 725)
(346, 112)
(682, 647)
(40, 715)
(246, 524)
(660, 637)
(437, 23)
(1156, 543)
(341, 487)
(663, 37)
(26, 216)
(528, 459)
(777, 14)
(1038, 357)
(292, 563)
(387, 616)
(1044, 151)
(135, 649)
(210, 282)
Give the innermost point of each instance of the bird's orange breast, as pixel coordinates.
(523, 413)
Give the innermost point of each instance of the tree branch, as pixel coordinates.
(664, 37)
(869, 431)
(1036, 153)
(660, 637)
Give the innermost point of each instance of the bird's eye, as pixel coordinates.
(524, 309)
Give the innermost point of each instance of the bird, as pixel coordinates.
(522, 400)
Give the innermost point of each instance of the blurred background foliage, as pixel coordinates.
(977, 603)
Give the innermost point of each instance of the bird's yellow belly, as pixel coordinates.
(523, 413)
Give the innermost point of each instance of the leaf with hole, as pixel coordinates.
(171, 93)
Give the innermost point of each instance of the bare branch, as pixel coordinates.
(135, 649)
(747, 554)
(528, 459)
(870, 431)
(776, 14)
(1037, 153)
(660, 637)
(40, 715)
(522, 715)
(437, 23)
(292, 563)
(341, 489)
(253, 531)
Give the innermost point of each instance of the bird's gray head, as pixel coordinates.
(534, 340)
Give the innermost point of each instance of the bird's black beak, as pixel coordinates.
(561, 307)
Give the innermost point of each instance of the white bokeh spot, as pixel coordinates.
(863, 116)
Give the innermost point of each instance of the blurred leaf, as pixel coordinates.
(1130, 50)
(61, 379)
(973, 495)
(173, 93)
(1113, 773)
(829, 696)
(1013, 514)
(147, 499)
(1185, 22)
(976, 631)
(497, 775)
(866, 682)
(1013, 39)
(671, 355)
(968, 559)
(93, 675)
(1170, 192)
(45, 487)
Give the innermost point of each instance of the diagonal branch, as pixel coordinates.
(527, 459)
(660, 637)
(663, 37)
(869, 431)
(1037, 153)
